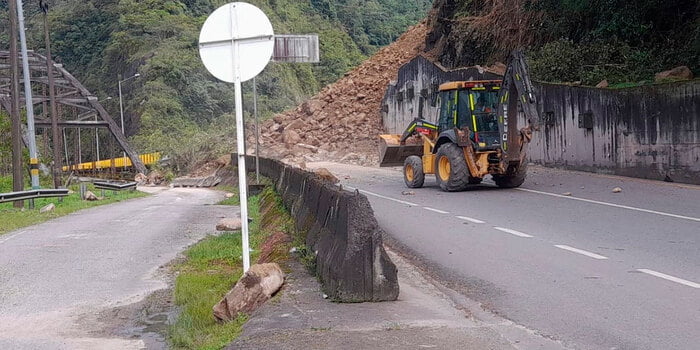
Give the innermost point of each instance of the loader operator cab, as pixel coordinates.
(471, 105)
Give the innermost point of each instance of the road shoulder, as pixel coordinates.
(422, 317)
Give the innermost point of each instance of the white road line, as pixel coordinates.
(513, 232)
(385, 197)
(670, 278)
(581, 251)
(471, 220)
(12, 236)
(612, 205)
(436, 210)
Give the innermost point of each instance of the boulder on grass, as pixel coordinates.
(678, 73)
(229, 224)
(47, 208)
(252, 290)
(89, 196)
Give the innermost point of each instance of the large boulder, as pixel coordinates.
(155, 178)
(141, 179)
(290, 137)
(678, 73)
(229, 224)
(326, 175)
(311, 107)
(256, 286)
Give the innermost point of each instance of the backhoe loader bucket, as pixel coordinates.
(393, 153)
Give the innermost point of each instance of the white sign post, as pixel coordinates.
(235, 44)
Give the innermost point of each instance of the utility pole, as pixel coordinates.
(17, 179)
(52, 102)
(31, 134)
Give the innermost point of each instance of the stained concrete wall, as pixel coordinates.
(340, 228)
(649, 132)
(414, 92)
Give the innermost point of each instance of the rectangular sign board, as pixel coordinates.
(296, 49)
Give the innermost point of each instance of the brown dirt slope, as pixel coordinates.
(341, 123)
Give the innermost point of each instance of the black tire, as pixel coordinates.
(413, 174)
(514, 178)
(458, 177)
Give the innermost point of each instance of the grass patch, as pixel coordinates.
(212, 268)
(15, 218)
(235, 200)
(230, 201)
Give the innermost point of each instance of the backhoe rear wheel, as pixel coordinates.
(413, 174)
(515, 178)
(451, 169)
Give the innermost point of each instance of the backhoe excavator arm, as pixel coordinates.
(516, 88)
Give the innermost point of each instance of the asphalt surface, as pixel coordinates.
(423, 317)
(563, 255)
(57, 278)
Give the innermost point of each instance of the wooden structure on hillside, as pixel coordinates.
(71, 95)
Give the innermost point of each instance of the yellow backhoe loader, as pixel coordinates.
(476, 133)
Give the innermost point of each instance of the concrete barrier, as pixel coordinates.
(340, 227)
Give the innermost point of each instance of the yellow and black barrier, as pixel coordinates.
(121, 162)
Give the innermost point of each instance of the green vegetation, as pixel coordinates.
(176, 106)
(14, 218)
(373, 23)
(578, 40)
(235, 200)
(212, 268)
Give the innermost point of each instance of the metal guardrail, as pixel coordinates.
(32, 194)
(114, 186)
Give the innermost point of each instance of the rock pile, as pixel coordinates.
(342, 122)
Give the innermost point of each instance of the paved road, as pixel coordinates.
(57, 278)
(596, 270)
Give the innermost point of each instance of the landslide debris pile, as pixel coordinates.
(341, 123)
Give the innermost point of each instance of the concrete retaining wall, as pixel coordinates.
(649, 132)
(341, 228)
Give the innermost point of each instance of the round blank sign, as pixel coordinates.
(236, 33)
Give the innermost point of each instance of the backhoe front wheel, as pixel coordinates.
(451, 170)
(413, 174)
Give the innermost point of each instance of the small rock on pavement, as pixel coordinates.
(567, 193)
(617, 190)
(408, 193)
(229, 224)
(256, 286)
(229, 195)
(89, 196)
(48, 208)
